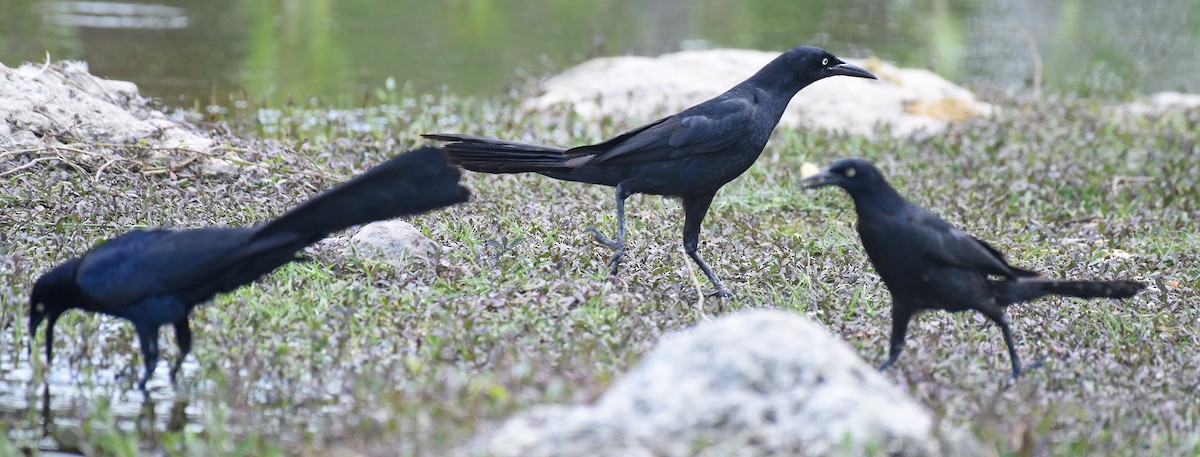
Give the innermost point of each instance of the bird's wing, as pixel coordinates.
(943, 243)
(611, 143)
(1017, 272)
(714, 128)
(142, 263)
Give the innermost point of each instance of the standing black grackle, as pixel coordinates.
(689, 155)
(928, 264)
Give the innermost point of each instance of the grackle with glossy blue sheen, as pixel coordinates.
(689, 155)
(156, 277)
(928, 264)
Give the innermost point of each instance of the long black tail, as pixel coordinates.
(498, 156)
(1025, 289)
(413, 183)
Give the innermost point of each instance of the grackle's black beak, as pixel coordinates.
(35, 319)
(845, 69)
(822, 179)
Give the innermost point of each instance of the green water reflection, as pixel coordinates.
(338, 49)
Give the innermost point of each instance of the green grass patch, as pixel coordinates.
(345, 353)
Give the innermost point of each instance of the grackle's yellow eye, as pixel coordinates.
(825, 62)
(850, 172)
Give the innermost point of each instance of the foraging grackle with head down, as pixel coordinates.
(928, 264)
(156, 277)
(689, 155)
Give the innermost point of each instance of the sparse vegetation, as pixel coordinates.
(343, 353)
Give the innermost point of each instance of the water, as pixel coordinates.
(210, 50)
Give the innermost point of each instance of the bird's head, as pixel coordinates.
(857, 176)
(811, 64)
(53, 294)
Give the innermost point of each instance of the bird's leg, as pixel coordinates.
(148, 338)
(901, 315)
(49, 342)
(618, 246)
(997, 315)
(694, 209)
(47, 416)
(183, 336)
(721, 291)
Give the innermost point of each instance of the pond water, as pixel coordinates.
(210, 50)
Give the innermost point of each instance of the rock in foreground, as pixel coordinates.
(642, 89)
(755, 384)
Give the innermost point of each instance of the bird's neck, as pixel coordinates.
(61, 291)
(878, 201)
(777, 80)
(770, 103)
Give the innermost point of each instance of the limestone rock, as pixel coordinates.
(1163, 102)
(394, 241)
(753, 384)
(49, 106)
(642, 89)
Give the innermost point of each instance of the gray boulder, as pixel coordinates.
(395, 241)
(640, 89)
(752, 384)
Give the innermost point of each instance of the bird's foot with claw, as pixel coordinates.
(1029, 366)
(600, 238)
(1026, 368)
(720, 292)
(614, 262)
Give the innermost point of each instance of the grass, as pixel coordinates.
(347, 355)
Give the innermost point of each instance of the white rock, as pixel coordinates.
(642, 89)
(1162, 102)
(395, 241)
(753, 384)
(61, 104)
